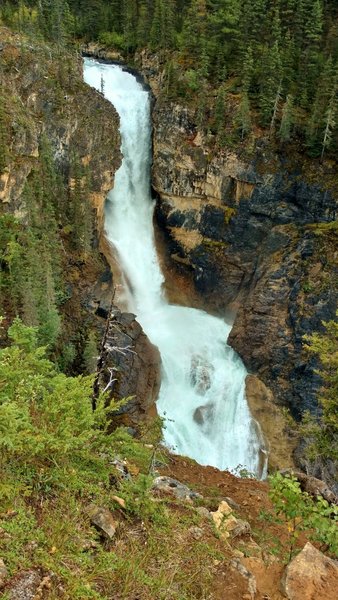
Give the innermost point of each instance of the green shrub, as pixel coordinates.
(301, 512)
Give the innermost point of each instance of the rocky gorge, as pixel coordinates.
(44, 97)
(127, 519)
(256, 233)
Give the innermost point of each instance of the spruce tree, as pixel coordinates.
(286, 123)
(4, 137)
(243, 117)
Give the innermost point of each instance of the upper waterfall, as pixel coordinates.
(202, 394)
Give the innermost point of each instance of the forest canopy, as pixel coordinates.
(278, 58)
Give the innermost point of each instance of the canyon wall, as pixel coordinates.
(43, 96)
(256, 232)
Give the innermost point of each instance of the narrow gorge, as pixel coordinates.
(202, 396)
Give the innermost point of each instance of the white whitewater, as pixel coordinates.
(202, 392)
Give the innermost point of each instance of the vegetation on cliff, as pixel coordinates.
(56, 165)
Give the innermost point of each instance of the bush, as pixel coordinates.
(301, 513)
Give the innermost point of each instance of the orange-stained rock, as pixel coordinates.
(311, 576)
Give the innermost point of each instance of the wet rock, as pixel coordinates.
(204, 414)
(173, 487)
(103, 520)
(310, 576)
(129, 367)
(200, 374)
(280, 442)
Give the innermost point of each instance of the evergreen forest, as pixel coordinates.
(247, 65)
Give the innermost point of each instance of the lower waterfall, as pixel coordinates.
(202, 395)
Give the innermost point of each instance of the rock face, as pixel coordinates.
(256, 234)
(44, 98)
(129, 367)
(310, 576)
(53, 100)
(280, 441)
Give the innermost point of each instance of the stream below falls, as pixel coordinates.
(202, 396)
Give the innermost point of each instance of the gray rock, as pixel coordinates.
(196, 532)
(103, 520)
(204, 512)
(175, 488)
(30, 585)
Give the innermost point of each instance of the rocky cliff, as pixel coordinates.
(43, 97)
(256, 231)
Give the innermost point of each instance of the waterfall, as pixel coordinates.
(202, 395)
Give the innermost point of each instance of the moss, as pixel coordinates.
(214, 244)
(229, 212)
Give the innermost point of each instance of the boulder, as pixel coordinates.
(226, 523)
(173, 487)
(129, 367)
(103, 521)
(3, 573)
(310, 576)
(313, 486)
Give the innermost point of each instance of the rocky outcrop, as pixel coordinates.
(129, 368)
(51, 99)
(310, 575)
(257, 235)
(279, 438)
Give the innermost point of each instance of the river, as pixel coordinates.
(202, 397)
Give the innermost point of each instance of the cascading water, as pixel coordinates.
(202, 393)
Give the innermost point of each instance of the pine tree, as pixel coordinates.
(330, 122)
(271, 79)
(220, 109)
(243, 116)
(4, 137)
(285, 128)
(194, 29)
(130, 24)
(248, 69)
(162, 34)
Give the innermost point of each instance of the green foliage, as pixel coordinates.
(279, 53)
(322, 433)
(45, 416)
(4, 137)
(302, 513)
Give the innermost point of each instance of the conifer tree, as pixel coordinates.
(330, 122)
(286, 123)
(270, 86)
(243, 116)
(4, 137)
